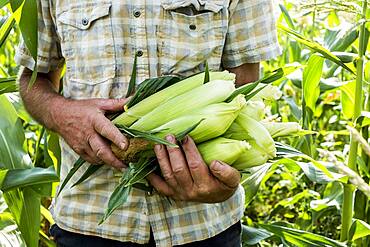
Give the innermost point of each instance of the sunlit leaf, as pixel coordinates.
(5, 29)
(3, 3)
(10, 235)
(8, 85)
(251, 183)
(288, 19)
(316, 47)
(301, 238)
(348, 99)
(311, 79)
(12, 154)
(359, 229)
(252, 236)
(24, 205)
(17, 178)
(16, 4)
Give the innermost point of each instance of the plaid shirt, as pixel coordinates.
(97, 41)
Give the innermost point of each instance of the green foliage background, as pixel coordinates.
(296, 201)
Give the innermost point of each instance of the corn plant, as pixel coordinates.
(315, 193)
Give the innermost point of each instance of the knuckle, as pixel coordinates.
(168, 176)
(101, 152)
(178, 170)
(195, 164)
(105, 130)
(77, 148)
(204, 191)
(172, 151)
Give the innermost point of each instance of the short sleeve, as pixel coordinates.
(252, 35)
(49, 55)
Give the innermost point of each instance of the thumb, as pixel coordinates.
(226, 174)
(112, 104)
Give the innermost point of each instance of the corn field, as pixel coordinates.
(316, 194)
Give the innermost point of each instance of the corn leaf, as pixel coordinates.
(8, 85)
(145, 135)
(89, 171)
(6, 28)
(358, 230)
(9, 233)
(311, 80)
(132, 83)
(300, 238)
(151, 86)
(248, 88)
(314, 46)
(3, 3)
(24, 204)
(206, 74)
(25, 177)
(288, 19)
(118, 197)
(136, 172)
(77, 165)
(15, 4)
(252, 182)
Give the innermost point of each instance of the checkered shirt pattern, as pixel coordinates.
(97, 40)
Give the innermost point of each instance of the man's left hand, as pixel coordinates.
(186, 176)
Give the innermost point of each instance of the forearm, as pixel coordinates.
(246, 73)
(41, 97)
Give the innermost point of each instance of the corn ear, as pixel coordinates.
(247, 128)
(222, 149)
(254, 109)
(212, 92)
(254, 156)
(277, 129)
(214, 120)
(270, 93)
(145, 106)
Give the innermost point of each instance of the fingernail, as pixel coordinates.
(122, 145)
(185, 140)
(170, 138)
(157, 147)
(218, 166)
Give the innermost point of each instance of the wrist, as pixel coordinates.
(55, 106)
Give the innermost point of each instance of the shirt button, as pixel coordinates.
(137, 13)
(85, 21)
(192, 27)
(139, 53)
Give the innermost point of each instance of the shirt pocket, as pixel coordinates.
(190, 33)
(87, 43)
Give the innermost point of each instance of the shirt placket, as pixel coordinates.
(157, 220)
(139, 39)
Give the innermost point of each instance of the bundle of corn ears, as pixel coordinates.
(226, 123)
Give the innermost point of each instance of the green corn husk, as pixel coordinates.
(214, 120)
(277, 129)
(254, 156)
(247, 128)
(254, 109)
(212, 92)
(147, 105)
(236, 132)
(270, 93)
(222, 149)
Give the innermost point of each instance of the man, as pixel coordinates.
(97, 41)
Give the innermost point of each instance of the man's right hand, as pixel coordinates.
(86, 129)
